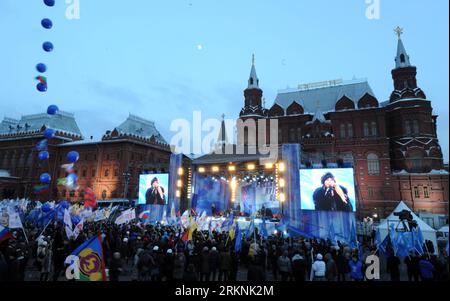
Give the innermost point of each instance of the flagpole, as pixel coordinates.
(44, 229)
(25, 234)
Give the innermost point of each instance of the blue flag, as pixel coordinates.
(238, 244)
(228, 222)
(393, 237)
(250, 229)
(264, 233)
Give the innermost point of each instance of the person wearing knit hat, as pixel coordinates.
(331, 196)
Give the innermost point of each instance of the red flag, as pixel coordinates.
(90, 201)
(185, 236)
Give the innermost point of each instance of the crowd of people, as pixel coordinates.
(146, 252)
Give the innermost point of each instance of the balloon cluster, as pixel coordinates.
(52, 110)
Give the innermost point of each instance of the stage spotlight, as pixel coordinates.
(215, 168)
(251, 166)
(281, 182)
(179, 183)
(231, 168)
(201, 169)
(180, 171)
(177, 193)
(269, 165)
(281, 166)
(282, 197)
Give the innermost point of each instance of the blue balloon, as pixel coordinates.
(49, 133)
(73, 156)
(43, 155)
(47, 23)
(46, 208)
(45, 178)
(41, 87)
(47, 46)
(49, 2)
(42, 145)
(52, 110)
(41, 67)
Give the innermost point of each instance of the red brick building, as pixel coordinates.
(110, 166)
(391, 144)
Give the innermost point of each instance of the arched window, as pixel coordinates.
(106, 172)
(407, 127)
(416, 126)
(374, 128)
(350, 130)
(416, 162)
(402, 58)
(342, 130)
(104, 194)
(251, 80)
(366, 129)
(292, 135)
(373, 164)
(299, 134)
(280, 135)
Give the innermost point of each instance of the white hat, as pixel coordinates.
(169, 251)
(155, 248)
(319, 256)
(125, 239)
(214, 249)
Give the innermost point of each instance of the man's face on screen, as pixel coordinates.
(155, 184)
(329, 183)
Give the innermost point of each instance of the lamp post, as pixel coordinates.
(126, 176)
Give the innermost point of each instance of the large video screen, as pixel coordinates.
(327, 189)
(153, 189)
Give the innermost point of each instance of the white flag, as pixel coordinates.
(126, 216)
(67, 219)
(69, 232)
(185, 219)
(78, 229)
(14, 220)
(99, 215)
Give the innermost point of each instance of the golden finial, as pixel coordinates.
(398, 31)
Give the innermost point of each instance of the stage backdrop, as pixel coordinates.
(253, 196)
(208, 191)
(310, 223)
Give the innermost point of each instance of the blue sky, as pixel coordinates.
(141, 56)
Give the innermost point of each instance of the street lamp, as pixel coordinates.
(127, 176)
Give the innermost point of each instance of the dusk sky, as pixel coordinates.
(161, 60)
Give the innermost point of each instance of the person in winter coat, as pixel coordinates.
(191, 274)
(412, 266)
(331, 268)
(255, 271)
(168, 265)
(298, 267)
(393, 264)
(284, 266)
(214, 263)
(178, 266)
(224, 265)
(356, 269)
(342, 266)
(115, 267)
(426, 269)
(318, 269)
(205, 264)
(45, 259)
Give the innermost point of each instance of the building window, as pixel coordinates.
(292, 135)
(85, 157)
(104, 194)
(382, 195)
(280, 135)
(374, 129)
(107, 157)
(81, 194)
(93, 173)
(426, 193)
(416, 192)
(118, 156)
(416, 127)
(402, 58)
(349, 130)
(407, 127)
(370, 192)
(72, 193)
(116, 172)
(416, 163)
(84, 173)
(342, 130)
(373, 164)
(299, 134)
(366, 129)
(106, 173)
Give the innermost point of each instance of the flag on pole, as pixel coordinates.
(67, 219)
(393, 237)
(184, 219)
(250, 229)
(126, 216)
(238, 243)
(14, 220)
(5, 234)
(264, 233)
(353, 240)
(91, 260)
(332, 235)
(232, 231)
(78, 229)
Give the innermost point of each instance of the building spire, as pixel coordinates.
(253, 81)
(402, 58)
